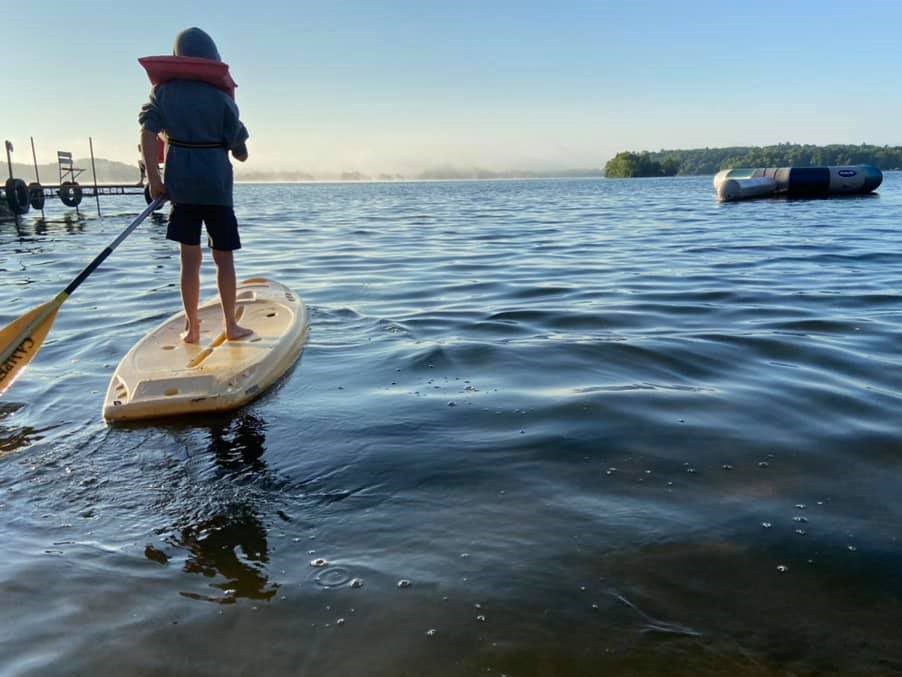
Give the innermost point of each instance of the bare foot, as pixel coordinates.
(191, 335)
(236, 332)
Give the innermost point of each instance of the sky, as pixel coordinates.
(404, 86)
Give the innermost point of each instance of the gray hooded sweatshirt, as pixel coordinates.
(196, 112)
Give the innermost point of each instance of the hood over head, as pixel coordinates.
(195, 42)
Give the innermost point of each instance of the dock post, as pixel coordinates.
(94, 171)
(37, 177)
(9, 162)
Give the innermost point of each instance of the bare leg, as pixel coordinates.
(191, 257)
(225, 280)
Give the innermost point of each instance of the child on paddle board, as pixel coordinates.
(202, 126)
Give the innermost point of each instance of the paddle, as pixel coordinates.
(21, 339)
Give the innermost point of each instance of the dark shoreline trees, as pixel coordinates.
(711, 160)
(626, 165)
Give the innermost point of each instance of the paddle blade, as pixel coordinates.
(21, 340)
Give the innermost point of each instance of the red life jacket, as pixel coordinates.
(162, 69)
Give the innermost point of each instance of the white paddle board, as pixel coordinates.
(164, 376)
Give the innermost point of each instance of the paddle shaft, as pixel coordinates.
(101, 257)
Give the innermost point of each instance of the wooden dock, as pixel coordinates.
(17, 197)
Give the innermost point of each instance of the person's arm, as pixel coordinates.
(236, 132)
(152, 123)
(149, 153)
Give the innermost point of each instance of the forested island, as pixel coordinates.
(711, 160)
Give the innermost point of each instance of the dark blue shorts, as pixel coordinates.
(222, 226)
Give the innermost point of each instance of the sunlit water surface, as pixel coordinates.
(599, 427)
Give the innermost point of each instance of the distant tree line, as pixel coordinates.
(108, 171)
(454, 173)
(437, 174)
(712, 160)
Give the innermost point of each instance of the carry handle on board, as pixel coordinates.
(22, 338)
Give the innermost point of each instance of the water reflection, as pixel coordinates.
(159, 219)
(71, 224)
(13, 438)
(232, 543)
(238, 444)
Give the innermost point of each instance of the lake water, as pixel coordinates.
(600, 427)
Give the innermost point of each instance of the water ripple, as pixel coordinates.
(565, 408)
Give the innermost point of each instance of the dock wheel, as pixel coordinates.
(36, 195)
(17, 196)
(71, 193)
